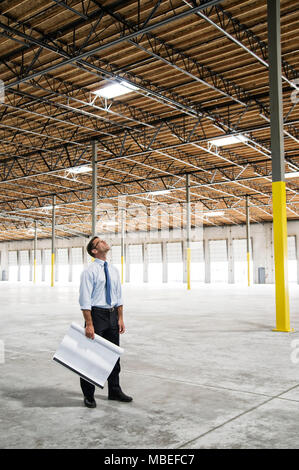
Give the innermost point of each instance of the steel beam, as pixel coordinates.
(188, 230)
(94, 187)
(53, 243)
(35, 251)
(278, 185)
(248, 239)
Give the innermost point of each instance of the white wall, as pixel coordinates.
(261, 236)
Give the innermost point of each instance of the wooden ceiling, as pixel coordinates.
(200, 73)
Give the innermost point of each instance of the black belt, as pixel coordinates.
(105, 310)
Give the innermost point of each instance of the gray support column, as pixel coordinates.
(53, 243)
(145, 262)
(207, 261)
(70, 259)
(94, 187)
(164, 263)
(4, 262)
(248, 239)
(278, 169)
(276, 105)
(84, 257)
(188, 249)
(230, 258)
(122, 245)
(35, 252)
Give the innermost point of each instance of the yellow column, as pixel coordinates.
(281, 257)
(52, 269)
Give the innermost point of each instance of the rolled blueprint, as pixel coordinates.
(92, 359)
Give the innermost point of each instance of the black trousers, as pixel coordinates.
(106, 325)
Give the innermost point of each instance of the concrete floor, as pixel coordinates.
(204, 368)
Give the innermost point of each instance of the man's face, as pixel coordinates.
(100, 246)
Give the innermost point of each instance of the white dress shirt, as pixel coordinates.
(93, 286)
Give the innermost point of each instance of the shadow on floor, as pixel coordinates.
(45, 397)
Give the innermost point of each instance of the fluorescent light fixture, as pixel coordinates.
(115, 89)
(48, 208)
(110, 222)
(214, 213)
(158, 193)
(80, 169)
(294, 174)
(229, 140)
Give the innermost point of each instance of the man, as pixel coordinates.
(102, 306)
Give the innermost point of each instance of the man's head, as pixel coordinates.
(97, 247)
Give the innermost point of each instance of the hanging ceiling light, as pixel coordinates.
(110, 223)
(159, 193)
(214, 213)
(294, 174)
(79, 169)
(115, 89)
(228, 140)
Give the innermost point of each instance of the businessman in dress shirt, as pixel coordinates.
(102, 306)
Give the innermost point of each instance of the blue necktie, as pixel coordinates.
(108, 284)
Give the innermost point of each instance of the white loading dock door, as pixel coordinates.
(136, 264)
(240, 261)
(197, 262)
(218, 260)
(38, 266)
(63, 264)
(47, 263)
(154, 251)
(24, 265)
(292, 259)
(12, 266)
(77, 261)
(175, 262)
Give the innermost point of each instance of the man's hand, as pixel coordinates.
(89, 331)
(121, 326)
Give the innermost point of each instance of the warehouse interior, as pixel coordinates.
(169, 129)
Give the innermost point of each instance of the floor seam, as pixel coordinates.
(207, 385)
(235, 418)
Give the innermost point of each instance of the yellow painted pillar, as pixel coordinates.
(52, 269)
(278, 169)
(122, 269)
(281, 257)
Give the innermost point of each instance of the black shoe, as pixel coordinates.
(119, 395)
(90, 402)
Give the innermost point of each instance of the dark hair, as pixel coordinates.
(90, 246)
